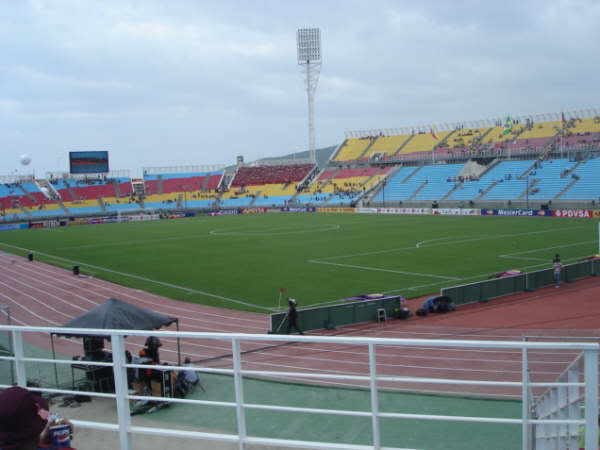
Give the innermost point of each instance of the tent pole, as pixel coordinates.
(54, 358)
(178, 344)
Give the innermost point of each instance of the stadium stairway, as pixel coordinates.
(366, 150)
(27, 194)
(419, 189)
(457, 186)
(62, 205)
(70, 190)
(565, 189)
(404, 144)
(335, 153)
(444, 140)
(205, 184)
(585, 186)
(485, 191)
(116, 187)
(412, 174)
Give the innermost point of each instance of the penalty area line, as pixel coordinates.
(375, 269)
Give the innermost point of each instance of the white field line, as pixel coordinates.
(137, 241)
(376, 269)
(537, 250)
(419, 245)
(460, 241)
(324, 227)
(138, 277)
(125, 292)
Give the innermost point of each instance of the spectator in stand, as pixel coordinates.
(25, 421)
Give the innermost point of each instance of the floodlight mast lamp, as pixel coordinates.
(309, 59)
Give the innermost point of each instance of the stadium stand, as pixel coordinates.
(524, 159)
(386, 146)
(422, 142)
(353, 148)
(549, 178)
(506, 181)
(585, 183)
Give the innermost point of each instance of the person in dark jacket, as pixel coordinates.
(292, 316)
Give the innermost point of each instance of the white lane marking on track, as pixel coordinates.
(312, 358)
(307, 358)
(43, 319)
(138, 277)
(121, 295)
(125, 292)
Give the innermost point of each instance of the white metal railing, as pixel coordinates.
(477, 123)
(183, 169)
(125, 428)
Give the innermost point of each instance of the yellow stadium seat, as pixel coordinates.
(584, 126)
(542, 130)
(352, 149)
(423, 142)
(387, 144)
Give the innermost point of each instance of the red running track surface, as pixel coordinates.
(43, 295)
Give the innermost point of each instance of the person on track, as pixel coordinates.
(292, 316)
(556, 268)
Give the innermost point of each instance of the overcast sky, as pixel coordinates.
(164, 83)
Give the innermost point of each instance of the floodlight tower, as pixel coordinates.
(309, 59)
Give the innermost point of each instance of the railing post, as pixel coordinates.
(17, 337)
(573, 404)
(524, 399)
(120, 374)
(239, 392)
(374, 398)
(591, 399)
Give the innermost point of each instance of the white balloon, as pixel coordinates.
(25, 159)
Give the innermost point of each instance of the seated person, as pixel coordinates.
(25, 421)
(429, 305)
(186, 379)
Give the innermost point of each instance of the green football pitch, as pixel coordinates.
(243, 261)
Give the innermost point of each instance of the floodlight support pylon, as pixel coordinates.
(309, 60)
(311, 80)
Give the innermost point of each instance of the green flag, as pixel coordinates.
(508, 125)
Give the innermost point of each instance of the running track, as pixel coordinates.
(43, 295)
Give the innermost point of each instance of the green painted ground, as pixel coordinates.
(338, 429)
(423, 434)
(41, 373)
(243, 261)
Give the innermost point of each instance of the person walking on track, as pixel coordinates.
(292, 316)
